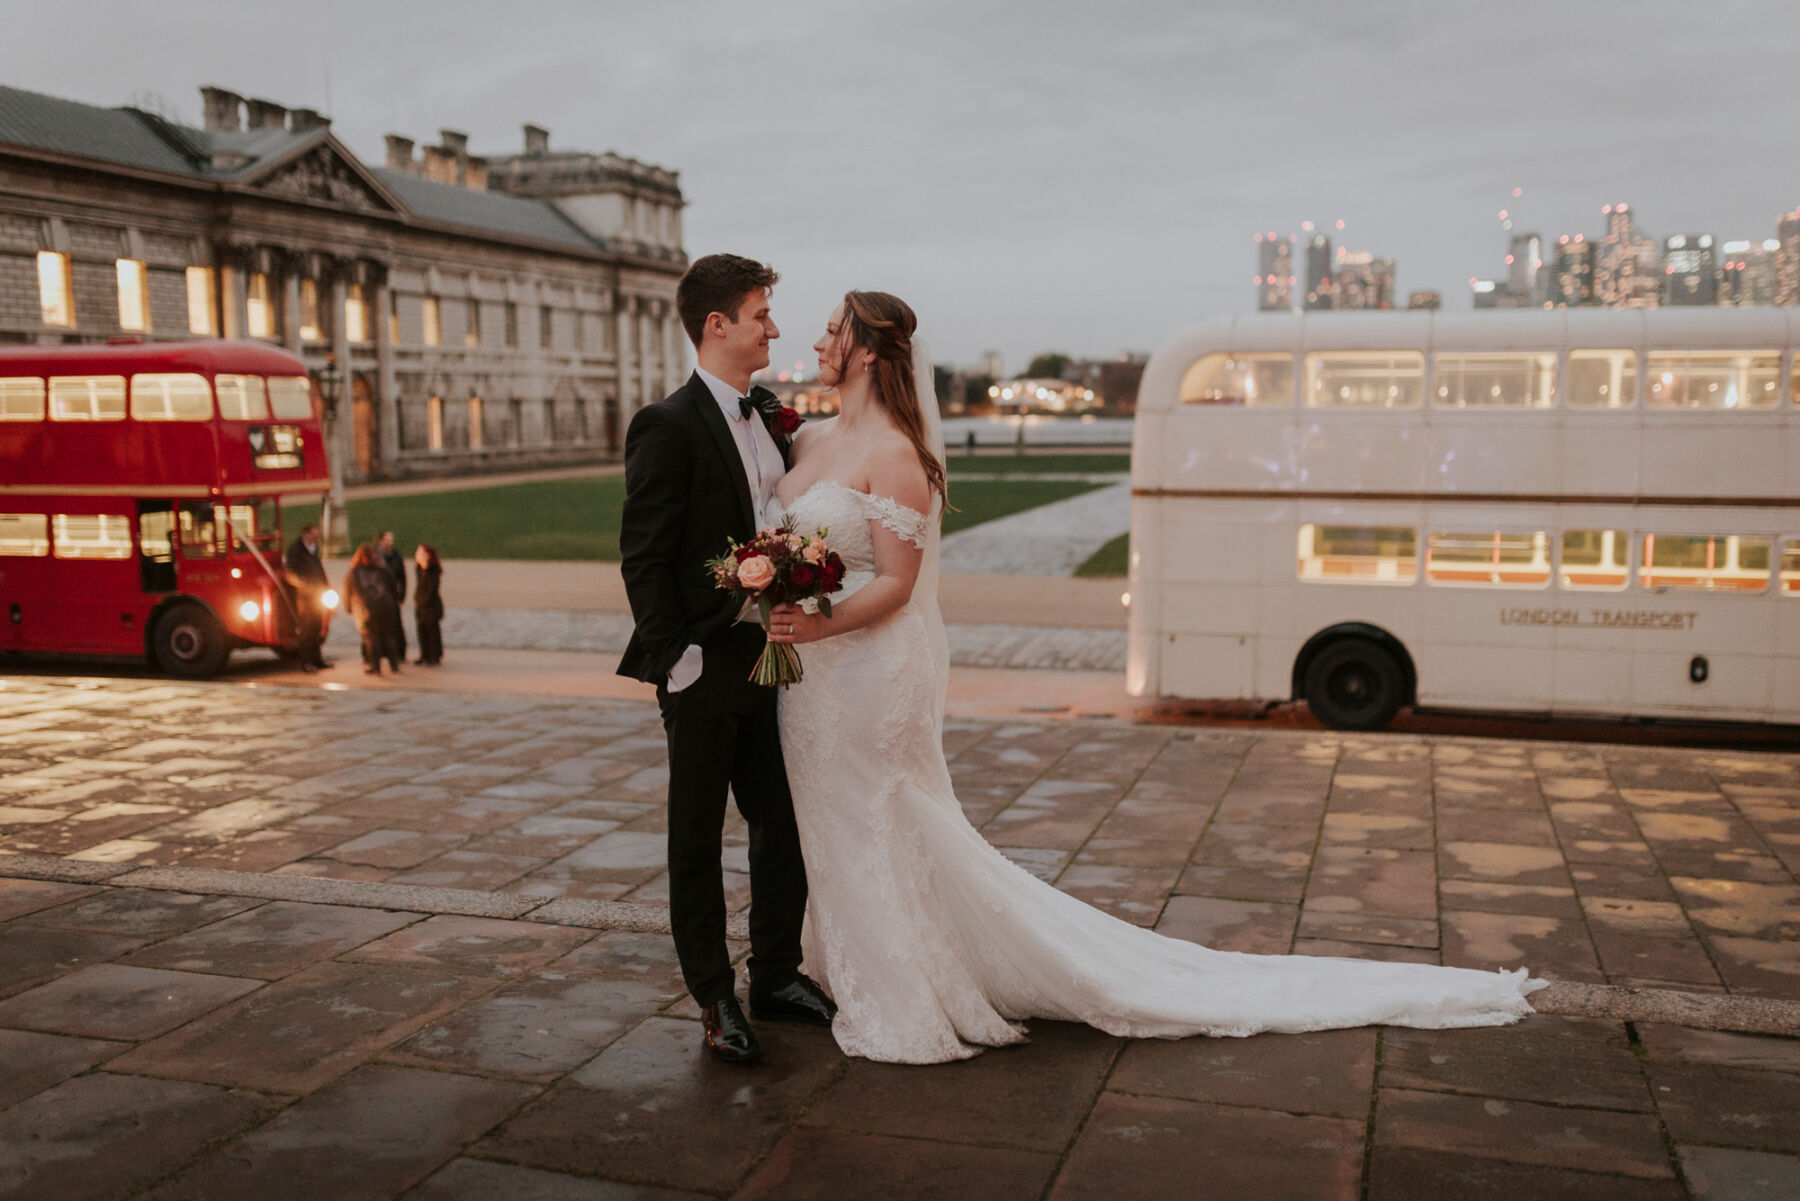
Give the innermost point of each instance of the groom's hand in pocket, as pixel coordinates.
(792, 624)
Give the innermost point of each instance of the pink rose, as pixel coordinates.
(756, 573)
(814, 551)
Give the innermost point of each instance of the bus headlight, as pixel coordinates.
(250, 610)
(330, 598)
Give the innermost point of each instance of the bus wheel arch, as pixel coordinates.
(1354, 676)
(187, 639)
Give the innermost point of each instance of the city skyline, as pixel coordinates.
(1072, 179)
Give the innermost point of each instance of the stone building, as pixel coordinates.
(476, 313)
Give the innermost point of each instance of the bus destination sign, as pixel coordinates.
(275, 447)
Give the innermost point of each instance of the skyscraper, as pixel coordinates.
(1318, 272)
(1628, 267)
(1747, 272)
(1787, 258)
(1690, 270)
(1573, 276)
(1425, 300)
(1274, 273)
(1363, 281)
(1525, 269)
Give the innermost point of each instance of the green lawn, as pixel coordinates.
(1005, 464)
(1113, 559)
(579, 519)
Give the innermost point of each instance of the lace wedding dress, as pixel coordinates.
(935, 945)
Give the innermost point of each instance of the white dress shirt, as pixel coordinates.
(762, 468)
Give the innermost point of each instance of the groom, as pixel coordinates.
(701, 467)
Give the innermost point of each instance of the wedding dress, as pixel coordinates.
(934, 944)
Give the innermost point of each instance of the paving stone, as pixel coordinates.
(260, 850)
(332, 869)
(1330, 1072)
(1508, 863)
(827, 1165)
(1405, 1174)
(1366, 927)
(1135, 894)
(1484, 896)
(19, 897)
(1619, 880)
(1374, 881)
(1626, 1144)
(394, 849)
(104, 1136)
(472, 945)
(150, 913)
(29, 954)
(1160, 1147)
(1741, 908)
(272, 940)
(1632, 956)
(228, 821)
(330, 1018)
(1546, 945)
(1285, 885)
(1031, 1097)
(386, 1128)
(1331, 948)
(1743, 1107)
(1584, 1062)
(1397, 831)
(1721, 1173)
(480, 1180)
(1664, 1042)
(1512, 827)
(36, 1061)
(1257, 927)
(110, 1000)
(634, 1110)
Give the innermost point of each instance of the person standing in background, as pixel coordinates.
(369, 596)
(428, 606)
(396, 567)
(307, 582)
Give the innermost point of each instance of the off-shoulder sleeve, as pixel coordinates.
(909, 524)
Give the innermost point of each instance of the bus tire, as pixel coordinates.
(189, 642)
(1354, 684)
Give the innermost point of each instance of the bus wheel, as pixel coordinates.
(189, 642)
(1354, 684)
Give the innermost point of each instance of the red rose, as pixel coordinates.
(802, 576)
(787, 421)
(834, 571)
(744, 552)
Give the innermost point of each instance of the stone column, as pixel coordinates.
(674, 353)
(647, 340)
(290, 309)
(236, 299)
(341, 436)
(622, 319)
(387, 399)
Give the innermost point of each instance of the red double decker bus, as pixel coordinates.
(141, 489)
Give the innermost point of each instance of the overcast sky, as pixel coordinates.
(1085, 177)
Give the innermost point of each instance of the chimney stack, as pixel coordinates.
(537, 140)
(475, 178)
(223, 109)
(400, 153)
(266, 114)
(309, 118)
(455, 141)
(440, 165)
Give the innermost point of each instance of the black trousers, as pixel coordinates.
(431, 637)
(309, 632)
(722, 734)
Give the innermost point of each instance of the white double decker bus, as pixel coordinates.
(1592, 512)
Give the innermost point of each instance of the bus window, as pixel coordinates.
(1240, 379)
(87, 398)
(1713, 379)
(1520, 381)
(1790, 566)
(290, 397)
(180, 397)
(1718, 562)
(1358, 554)
(24, 534)
(1365, 378)
(198, 533)
(1595, 559)
(1602, 379)
(156, 547)
(21, 400)
(242, 397)
(243, 527)
(92, 536)
(1490, 559)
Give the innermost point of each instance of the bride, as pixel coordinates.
(933, 943)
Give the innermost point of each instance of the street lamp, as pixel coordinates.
(328, 379)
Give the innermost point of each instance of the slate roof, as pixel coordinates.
(114, 135)
(448, 204)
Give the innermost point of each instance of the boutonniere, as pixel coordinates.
(786, 422)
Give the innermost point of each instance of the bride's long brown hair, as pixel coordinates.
(883, 324)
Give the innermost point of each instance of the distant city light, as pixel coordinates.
(1306, 226)
(1518, 192)
(1340, 223)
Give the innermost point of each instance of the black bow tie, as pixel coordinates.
(760, 400)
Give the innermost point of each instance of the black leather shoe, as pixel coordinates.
(728, 1033)
(799, 1000)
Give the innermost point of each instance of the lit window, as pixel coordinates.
(1602, 379)
(1790, 567)
(200, 530)
(434, 322)
(260, 307)
(310, 330)
(24, 535)
(21, 399)
(202, 302)
(393, 330)
(1488, 559)
(56, 298)
(1520, 381)
(155, 535)
(134, 296)
(1716, 562)
(472, 335)
(356, 314)
(87, 398)
(1358, 554)
(182, 397)
(1366, 379)
(1594, 560)
(290, 397)
(242, 397)
(477, 436)
(434, 423)
(92, 536)
(1240, 379)
(1729, 379)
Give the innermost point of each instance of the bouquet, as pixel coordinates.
(779, 567)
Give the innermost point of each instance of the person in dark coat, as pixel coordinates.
(396, 567)
(428, 606)
(307, 584)
(369, 596)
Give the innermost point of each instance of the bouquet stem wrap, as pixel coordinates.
(779, 567)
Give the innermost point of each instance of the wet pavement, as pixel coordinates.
(291, 942)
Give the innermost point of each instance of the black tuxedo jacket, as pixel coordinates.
(686, 494)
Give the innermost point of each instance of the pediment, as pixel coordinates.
(324, 176)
